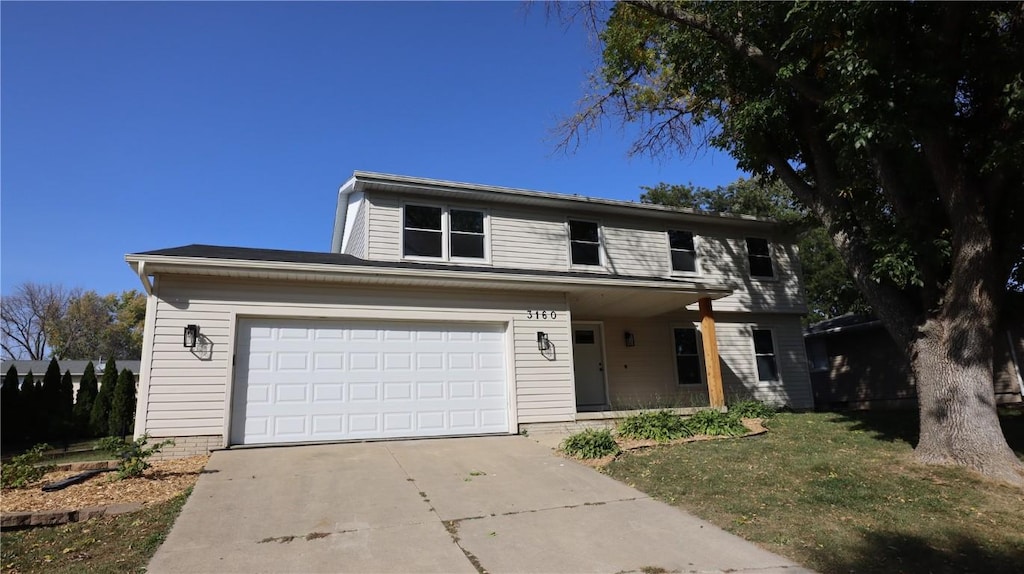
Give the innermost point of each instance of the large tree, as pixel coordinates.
(899, 126)
(95, 325)
(27, 317)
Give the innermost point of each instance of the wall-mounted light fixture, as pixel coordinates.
(630, 339)
(191, 336)
(543, 344)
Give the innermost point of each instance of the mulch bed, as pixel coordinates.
(163, 481)
(755, 426)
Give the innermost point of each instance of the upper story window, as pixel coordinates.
(467, 233)
(764, 355)
(584, 242)
(684, 253)
(443, 233)
(759, 253)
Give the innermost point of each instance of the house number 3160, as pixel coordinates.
(541, 314)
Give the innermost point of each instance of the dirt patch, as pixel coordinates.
(754, 426)
(165, 480)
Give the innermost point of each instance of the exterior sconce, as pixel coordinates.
(543, 344)
(630, 339)
(191, 336)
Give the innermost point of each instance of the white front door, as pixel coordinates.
(588, 363)
(303, 380)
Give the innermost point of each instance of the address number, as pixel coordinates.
(530, 314)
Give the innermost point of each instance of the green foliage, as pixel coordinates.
(122, 409)
(590, 443)
(751, 409)
(10, 407)
(97, 325)
(88, 387)
(32, 411)
(24, 469)
(99, 417)
(50, 401)
(661, 426)
(131, 455)
(715, 423)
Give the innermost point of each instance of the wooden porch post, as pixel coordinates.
(711, 362)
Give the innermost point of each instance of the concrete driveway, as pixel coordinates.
(488, 504)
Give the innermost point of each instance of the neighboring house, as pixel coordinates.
(855, 364)
(38, 369)
(458, 309)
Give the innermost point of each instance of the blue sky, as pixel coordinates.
(126, 127)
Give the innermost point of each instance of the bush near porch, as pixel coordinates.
(840, 493)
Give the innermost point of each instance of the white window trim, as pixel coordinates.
(700, 356)
(775, 354)
(445, 234)
(773, 256)
(602, 257)
(698, 271)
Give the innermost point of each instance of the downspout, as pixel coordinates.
(146, 285)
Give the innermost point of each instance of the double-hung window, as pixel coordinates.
(443, 233)
(687, 356)
(683, 251)
(584, 242)
(759, 253)
(764, 355)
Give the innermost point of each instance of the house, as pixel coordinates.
(854, 363)
(449, 308)
(77, 368)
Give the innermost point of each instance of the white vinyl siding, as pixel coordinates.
(189, 394)
(644, 376)
(632, 246)
(355, 243)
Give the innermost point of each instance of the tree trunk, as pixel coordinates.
(959, 424)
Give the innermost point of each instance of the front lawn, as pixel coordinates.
(839, 493)
(115, 544)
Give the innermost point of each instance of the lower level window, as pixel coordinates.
(764, 354)
(687, 357)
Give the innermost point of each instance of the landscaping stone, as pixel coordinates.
(15, 520)
(55, 517)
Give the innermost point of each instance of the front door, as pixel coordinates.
(588, 361)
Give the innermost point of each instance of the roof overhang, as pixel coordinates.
(607, 295)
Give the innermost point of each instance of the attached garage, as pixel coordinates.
(305, 380)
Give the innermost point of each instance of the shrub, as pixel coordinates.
(131, 455)
(122, 407)
(591, 443)
(752, 409)
(99, 417)
(88, 387)
(715, 423)
(24, 469)
(654, 425)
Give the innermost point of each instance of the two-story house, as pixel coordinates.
(458, 309)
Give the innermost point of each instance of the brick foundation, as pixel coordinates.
(185, 446)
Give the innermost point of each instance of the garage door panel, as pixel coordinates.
(306, 380)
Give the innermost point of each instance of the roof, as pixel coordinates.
(362, 180)
(217, 252)
(633, 296)
(76, 367)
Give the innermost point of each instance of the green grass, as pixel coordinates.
(116, 544)
(840, 493)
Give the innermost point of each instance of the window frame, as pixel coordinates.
(446, 233)
(700, 356)
(772, 256)
(775, 356)
(601, 258)
(696, 254)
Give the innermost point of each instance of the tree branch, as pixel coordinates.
(734, 42)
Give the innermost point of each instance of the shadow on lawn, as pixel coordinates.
(902, 425)
(896, 552)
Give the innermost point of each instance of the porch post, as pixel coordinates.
(711, 363)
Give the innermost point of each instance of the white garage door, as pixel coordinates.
(302, 380)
